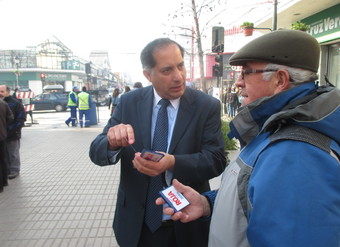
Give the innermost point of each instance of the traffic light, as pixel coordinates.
(217, 45)
(218, 67)
(88, 68)
(42, 77)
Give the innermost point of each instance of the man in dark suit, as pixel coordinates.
(195, 150)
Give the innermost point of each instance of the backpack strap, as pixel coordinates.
(304, 134)
(288, 132)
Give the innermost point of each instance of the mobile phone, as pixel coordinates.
(151, 155)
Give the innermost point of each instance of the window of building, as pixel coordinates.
(334, 65)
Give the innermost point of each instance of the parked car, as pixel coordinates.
(50, 101)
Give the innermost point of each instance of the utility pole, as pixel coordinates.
(17, 61)
(275, 16)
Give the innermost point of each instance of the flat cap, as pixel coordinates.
(286, 47)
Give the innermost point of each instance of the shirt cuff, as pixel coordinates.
(112, 155)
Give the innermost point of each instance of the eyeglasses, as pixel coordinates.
(250, 71)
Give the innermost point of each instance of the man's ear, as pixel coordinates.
(283, 80)
(147, 75)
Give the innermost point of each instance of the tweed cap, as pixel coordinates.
(286, 47)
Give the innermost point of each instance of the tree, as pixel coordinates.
(210, 9)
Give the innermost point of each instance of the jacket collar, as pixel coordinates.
(252, 118)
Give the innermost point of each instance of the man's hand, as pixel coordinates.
(199, 205)
(152, 168)
(121, 135)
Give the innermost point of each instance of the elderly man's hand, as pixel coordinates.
(199, 205)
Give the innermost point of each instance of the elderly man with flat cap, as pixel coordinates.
(284, 187)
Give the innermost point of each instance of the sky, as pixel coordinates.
(122, 27)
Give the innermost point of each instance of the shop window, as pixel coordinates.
(334, 65)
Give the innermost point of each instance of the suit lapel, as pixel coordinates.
(144, 111)
(186, 111)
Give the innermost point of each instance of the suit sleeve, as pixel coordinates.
(99, 153)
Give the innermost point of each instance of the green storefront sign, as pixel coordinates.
(325, 25)
(70, 65)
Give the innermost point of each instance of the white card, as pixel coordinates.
(175, 199)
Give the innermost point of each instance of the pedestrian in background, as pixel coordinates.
(13, 131)
(30, 111)
(224, 100)
(6, 116)
(72, 104)
(137, 85)
(114, 100)
(232, 102)
(284, 187)
(227, 100)
(15, 95)
(84, 105)
(191, 141)
(127, 89)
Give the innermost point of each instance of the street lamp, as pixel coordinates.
(17, 61)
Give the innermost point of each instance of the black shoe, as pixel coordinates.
(68, 124)
(13, 175)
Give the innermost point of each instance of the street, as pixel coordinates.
(60, 198)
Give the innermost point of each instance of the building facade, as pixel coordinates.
(325, 27)
(324, 21)
(51, 63)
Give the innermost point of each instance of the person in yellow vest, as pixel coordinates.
(72, 104)
(84, 105)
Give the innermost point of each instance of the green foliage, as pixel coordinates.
(229, 144)
(300, 26)
(247, 24)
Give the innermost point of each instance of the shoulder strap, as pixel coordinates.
(288, 132)
(304, 134)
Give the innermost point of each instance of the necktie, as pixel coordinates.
(153, 214)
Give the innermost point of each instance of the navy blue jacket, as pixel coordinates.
(14, 128)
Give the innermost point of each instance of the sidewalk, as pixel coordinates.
(60, 198)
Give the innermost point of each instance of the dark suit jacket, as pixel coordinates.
(197, 144)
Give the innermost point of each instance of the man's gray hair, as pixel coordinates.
(296, 75)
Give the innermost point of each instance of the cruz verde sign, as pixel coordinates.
(325, 25)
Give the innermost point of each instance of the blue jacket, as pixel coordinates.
(291, 188)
